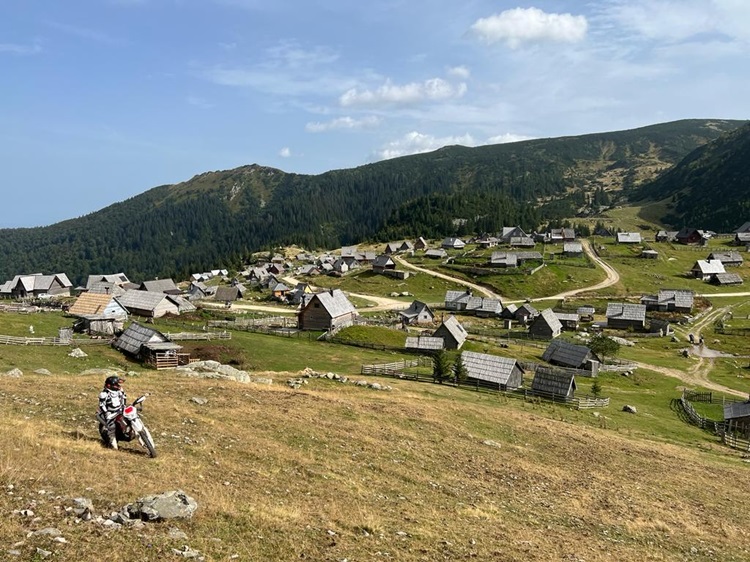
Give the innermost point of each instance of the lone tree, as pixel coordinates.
(596, 388)
(604, 347)
(459, 370)
(441, 366)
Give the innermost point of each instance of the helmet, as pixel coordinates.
(113, 383)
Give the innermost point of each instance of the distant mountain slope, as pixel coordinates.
(710, 187)
(217, 218)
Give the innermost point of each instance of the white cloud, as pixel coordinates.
(522, 25)
(674, 20)
(285, 152)
(287, 69)
(17, 49)
(506, 138)
(343, 123)
(417, 143)
(461, 72)
(433, 89)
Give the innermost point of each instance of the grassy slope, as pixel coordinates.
(405, 473)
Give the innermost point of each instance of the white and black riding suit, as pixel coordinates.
(111, 405)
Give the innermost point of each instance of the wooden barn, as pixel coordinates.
(737, 419)
(424, 343)
(39, 285)
(491, 371)
(551, 383)
(417, 313)
(329, 310)
(670, 300)
(573, 249)
(148, 304)
(706, 269)
(691, 236)
(151, 346)
(453, 333)
(98, 314)
(457, 300)
(623, 316)
(729, 259)
(569, 320)
(525, 313)
(382, 263)
(546, 325)
(572, 356)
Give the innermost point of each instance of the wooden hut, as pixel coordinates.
(491, 371)
(553, 384)
(329, 310)
(149, 304)
(453, 333)
(417, 313)
(546, 325)
(151, 346)
(737, 419)
(572, 356)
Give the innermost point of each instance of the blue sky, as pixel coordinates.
(104, 99)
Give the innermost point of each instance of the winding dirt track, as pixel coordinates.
(478, 288)
(612, 277)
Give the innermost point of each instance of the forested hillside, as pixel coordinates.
(709, 188)
(217, 218)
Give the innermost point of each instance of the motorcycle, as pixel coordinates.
(128, 426)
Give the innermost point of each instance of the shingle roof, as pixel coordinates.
(90, 304)
(160, 286)
(566, 354)
(415, 309)
(547, 381)
(726, 257)
(424, 342)
(116, 278)
(682, 298)
(438, 253)
(457, 296)
(728, 279)
(226, 293)
(572, 247)
(626, 311)
(629, 237)
(707, 267)
(736, 410)
(550, 318)
(141, 300)
(504, 258)
(454, 328)
(586, 310)
(490, 368)
(131, 340)
(335, 303)
(383, 261)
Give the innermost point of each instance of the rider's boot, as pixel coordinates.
(113, 444)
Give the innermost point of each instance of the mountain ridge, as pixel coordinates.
(219, 217)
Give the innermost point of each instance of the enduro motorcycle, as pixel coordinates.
(129, 426)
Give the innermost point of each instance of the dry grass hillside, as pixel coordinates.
(337, 472)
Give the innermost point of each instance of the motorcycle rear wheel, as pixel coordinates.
(148, 442)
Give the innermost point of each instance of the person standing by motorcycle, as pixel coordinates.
(112, 400)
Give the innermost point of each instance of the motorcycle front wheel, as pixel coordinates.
(148, 442)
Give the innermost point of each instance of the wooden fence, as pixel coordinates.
(198, 336)
(714, 426)
(396, 370)
(14, 340)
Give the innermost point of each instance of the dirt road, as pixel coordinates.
(478, 288)
(612, 276)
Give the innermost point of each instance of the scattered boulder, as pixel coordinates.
(44, 372)
(83, 508)
(629, 409)
(187, 552)
(491, 443)
(14, 373)
(78, 353)
(175, 504)
(214, 370)
(622, 341)
(103, 372)
(47, 531)
(199, 400)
